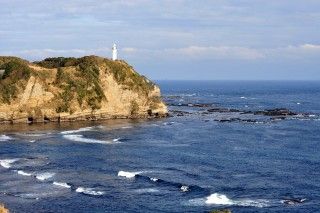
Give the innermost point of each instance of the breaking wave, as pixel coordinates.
(184, 188)
(221, 199)
(6, 163)
(181, 187)
(169, 123)
(34, 134)
(89, 191)
(147, 190)
(61, 184)
(153, 179)
(5, 138)
(76, 131)
(20, 172)
(45, 176)
(128, 174)
(126, 127)
(80, 138)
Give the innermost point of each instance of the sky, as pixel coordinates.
(173, 39)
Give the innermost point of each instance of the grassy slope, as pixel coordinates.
(77, 79)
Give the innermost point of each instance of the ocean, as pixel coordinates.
(222, 148)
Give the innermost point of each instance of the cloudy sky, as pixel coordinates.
(173, 39)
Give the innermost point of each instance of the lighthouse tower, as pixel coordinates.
(114, 52)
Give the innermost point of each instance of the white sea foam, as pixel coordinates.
(6, 163)
(126, 127)
(256, 203)
(128, 174)
(221, 199)
(76, 131)
(242, 97)
(184, 188)
(45, 176)
(80, 138)
(116, 140)
(147, 190)
(32, 141)
(5, 138)
(154, 179)
(89, 191)
(61, 184)
(188, 95)
(169, 123)
(20, 172)
(35, 134)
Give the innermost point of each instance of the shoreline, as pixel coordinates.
(68, 119)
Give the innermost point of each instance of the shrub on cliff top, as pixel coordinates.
(84, 84)
(57, 62)
(16, 72)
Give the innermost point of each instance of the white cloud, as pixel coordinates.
(217, 52)
(294, 52)
(227, 52)
(185, 53)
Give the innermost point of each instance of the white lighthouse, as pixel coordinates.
(114, 52)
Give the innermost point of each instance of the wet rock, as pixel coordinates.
(228, 120)
(277, 118)
(249, 120)
(247, 112)
(180, 113)
(221, 211)
(222, 110)
(275, 112)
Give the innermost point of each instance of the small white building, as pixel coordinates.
(114, 52)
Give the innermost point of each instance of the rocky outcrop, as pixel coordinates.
(221, 211)
(3, 209)
(70, 89)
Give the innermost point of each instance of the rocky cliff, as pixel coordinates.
(69, 89)
(3, 209)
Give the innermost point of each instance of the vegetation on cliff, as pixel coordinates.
(75, 82)
(16, 74)
(84, 83)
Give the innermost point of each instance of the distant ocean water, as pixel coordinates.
(187, 163)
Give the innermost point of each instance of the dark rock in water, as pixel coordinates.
(275, 112)
(222, 110)
(237, 120)
(180, 113)
(293, 201)
(203, 105)
(249, 120)
(221, 211)
(228, 120)
(247, 112)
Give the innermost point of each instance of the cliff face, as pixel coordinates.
(67, 89)
(3, 209)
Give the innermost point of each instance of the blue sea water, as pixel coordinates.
(190, 163)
